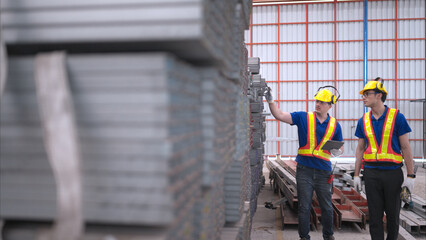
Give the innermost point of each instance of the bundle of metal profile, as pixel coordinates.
(218, 111)
(254, 65)
(233, 40)
(192, 30)
(139, 132)
(210, 212)
(256, 92)
(234, 65)
(246, 6)
(244, 73)
(236, 189)
(237, 177)
(240, 230)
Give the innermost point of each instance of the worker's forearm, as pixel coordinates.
(358, 161)
(408, 159)
(274, 110)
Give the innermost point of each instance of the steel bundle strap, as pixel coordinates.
(3, 63)
(61, 142)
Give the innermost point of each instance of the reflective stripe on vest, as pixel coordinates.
(311, 148)
(385, 152)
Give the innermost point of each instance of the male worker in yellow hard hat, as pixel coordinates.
(313, 163)
(382, 147)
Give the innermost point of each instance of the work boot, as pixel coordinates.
(329, 238)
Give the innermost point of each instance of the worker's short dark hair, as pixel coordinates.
(384, 95)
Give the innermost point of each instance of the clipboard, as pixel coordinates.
(331, 144)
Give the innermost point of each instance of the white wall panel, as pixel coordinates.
(350, 70)
(411, 49)
(293, 91)
(292, 71)
(321, 71)
(411, 29)
(380, 50)
(293, 33)
(381, 9)
(271, 135)
(384, 69)
(293, 52)
(321, 32)
(350, 50)
(350, 31)
(321, 51)
(416, 146)
(407, 89)
(266, 53)
(265, 14)
(412, 110)
(268, 71)
(381, 30)
(292, 13)
(350, 11)
(264, 34)
(320, 12)
(411, 69)
(349, 110)
(349, 90)
(411, 8)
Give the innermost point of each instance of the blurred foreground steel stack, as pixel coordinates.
(160, 93)
(258, 124)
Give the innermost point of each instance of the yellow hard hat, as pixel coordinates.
(325, 95)
(372, 85)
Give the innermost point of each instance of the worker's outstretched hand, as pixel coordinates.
(357, 183)
(268, 95)
(409, 183)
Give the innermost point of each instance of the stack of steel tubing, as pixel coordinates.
(121, 99)
(199, 31)
(239, 230)
(257, 124)
(140, 135)
(237, 178)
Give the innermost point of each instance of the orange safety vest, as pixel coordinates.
(385, 152)
(311, 149)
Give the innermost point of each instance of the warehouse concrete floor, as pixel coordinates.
(267, 222)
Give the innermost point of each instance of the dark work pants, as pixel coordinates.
(383, 189)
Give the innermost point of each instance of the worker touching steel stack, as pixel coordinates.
(313, 162)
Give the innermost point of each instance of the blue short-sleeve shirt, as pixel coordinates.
(401, 127)
(300, 120)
